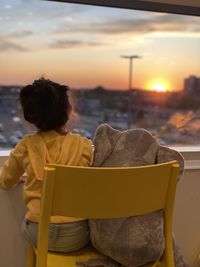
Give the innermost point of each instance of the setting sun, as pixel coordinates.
(158, 85)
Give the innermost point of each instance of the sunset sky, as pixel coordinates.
(81, 45)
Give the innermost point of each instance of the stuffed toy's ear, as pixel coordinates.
(104, 142)
(166, 154)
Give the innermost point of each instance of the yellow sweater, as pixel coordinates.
(32, 153)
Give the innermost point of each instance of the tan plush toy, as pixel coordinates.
(132, 241)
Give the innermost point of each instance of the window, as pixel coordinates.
(89, 48)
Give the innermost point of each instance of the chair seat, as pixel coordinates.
(153, 264)
(70, 259)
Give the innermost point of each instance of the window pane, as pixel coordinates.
(127, 68)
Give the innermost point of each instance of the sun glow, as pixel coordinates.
(159, 85)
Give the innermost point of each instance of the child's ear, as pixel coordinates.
(104, 141)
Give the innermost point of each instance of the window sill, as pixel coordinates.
(4, 153)
(190, 153)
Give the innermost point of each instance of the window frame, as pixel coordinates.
(182, 7)
(179, 7)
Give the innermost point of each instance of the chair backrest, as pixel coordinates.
(106, 193)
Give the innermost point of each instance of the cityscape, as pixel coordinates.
(172, 117)
(128, 68)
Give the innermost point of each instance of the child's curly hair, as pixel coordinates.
(45, 104)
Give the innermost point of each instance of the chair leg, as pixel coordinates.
(30, 257)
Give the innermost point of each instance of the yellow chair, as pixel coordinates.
(103, 193)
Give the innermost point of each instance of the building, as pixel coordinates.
(192, 86)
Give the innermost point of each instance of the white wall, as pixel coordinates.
(186, 221)
(187, 216)
(12, 245)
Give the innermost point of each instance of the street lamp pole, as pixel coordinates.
(130, 86)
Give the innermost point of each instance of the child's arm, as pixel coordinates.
(13, 167)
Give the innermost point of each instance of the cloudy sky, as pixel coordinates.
(81, 45)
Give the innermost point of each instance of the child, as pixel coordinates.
(46, 105)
